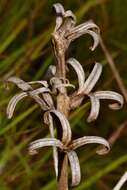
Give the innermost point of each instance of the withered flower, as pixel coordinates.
(70, 151)
(86, 87)
(67, 30)
(28, 91)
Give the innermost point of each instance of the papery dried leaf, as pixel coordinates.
(66, 135)
(59, 12)
(82, 29)
(95, 107)
(91, 140)
(121, 182)
(49, 121)
(37, 144)
(110, 95)
(93, 78)
(75, 167)
(13, 102)
(20, 83)
(79, 70)
(39, 91)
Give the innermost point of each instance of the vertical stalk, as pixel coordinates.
(62, 106)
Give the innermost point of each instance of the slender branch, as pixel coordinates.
(121, 182)
(114, 69)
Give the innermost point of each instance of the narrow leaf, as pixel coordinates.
(110, 95)
(13, 102)
(93, 78)
(75, 167)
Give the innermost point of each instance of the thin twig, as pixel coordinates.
(121, 182)
(117, 134)
(114, 69)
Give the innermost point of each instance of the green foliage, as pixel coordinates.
(25, 51)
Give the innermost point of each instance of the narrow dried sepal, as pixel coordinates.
(13, 102)
(93, 78)
(79, 71)
(59, 14)
(66, 135)
(86, 28)
(38, 91)
(110, 95)
(75, 167)
(95, 107)
(44, 83)
(20, 83)
(37, 144)
(49, 121)
(92, 140)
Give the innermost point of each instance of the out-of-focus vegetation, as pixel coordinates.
(25, 51)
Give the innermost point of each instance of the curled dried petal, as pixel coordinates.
(37, 144)
(49, 121)
(110, 95)
(64, 85)
(75, 167)
(90, 140)
(44, 83)
(93, 78)
(48, 99)
(60, 12)
(38, 91)
(96, 39)
(79, 70)
(70, 14)
(13, 102)
(95, 107)
(66, 137)
(85, 28)
(20, 83)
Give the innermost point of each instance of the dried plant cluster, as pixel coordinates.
(56, 101)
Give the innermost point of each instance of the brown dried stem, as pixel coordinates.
(62, 106)
(114, 69)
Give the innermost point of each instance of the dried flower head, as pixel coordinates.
(55, 100)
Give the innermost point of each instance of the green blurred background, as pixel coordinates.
(25, 51)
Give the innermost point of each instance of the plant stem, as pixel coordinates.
(62, 106)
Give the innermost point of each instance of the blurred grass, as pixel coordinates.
(25, 51)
